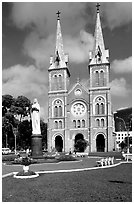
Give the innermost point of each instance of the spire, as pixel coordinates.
(99, 54)
(99, 42)
(59, 51)
(59, 60)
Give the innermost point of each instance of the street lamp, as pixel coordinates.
(15, 133)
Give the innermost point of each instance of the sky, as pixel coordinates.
(28, 41)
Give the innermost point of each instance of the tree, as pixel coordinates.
(24, 134)
(21, 106)
(13, 109)
(44, 133)
(7, 101)
(81, 145)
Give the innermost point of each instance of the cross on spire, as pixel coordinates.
(58, 15)
(97, 6)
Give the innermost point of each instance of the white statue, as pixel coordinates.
(35, 114)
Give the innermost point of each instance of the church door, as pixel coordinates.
(58, 143)
(100, 143)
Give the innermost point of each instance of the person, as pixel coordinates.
(35, 115)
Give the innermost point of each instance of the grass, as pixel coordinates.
(103, 185)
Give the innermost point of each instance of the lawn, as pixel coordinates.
(110, 185)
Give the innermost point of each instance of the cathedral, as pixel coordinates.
(80, 112)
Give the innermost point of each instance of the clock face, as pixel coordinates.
(78, 109)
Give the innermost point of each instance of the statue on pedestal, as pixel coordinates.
(35, 115)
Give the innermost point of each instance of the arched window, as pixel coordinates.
(74, 123)
(99, 105)
(102, 78)
(97, 77)
(60, 111)
(60, 81)
(97, 122)
(78, 123)
(102, 108)
(83, 123)
(55, 111)
(56, 125)
(97, 108)
(58, 108)
(60, 124)
(102, 122)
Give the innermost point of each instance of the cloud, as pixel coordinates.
(40, 49)
(117, 14)
(122, 66)
(41, 16)
(78, 47)
(28, 81)
(119, 88)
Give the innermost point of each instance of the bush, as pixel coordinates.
(80, 145)
(26, 161)
(66, 158)
(8, 157)
(22, 173)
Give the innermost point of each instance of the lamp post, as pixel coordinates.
(127, 129)
(15, 133)
(6, 140)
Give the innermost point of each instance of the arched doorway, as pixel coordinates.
(58, 143)
(78, 145)
(100, 143)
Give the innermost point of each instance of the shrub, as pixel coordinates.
(66, 158)
(8, 157)
(22, 173)
(26, 161)
(80, 145)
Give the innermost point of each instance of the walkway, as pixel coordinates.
(69, 166)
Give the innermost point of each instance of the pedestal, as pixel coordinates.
(36, 144)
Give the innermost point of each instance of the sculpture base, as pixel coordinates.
(36, 145)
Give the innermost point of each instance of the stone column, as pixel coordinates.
(36, 144)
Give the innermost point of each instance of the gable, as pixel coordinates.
(78, 91)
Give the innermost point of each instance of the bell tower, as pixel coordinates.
(99, 93)
(58, 89)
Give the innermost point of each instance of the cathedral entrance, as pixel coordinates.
(58, 143)
(100, 143)
(78, 143)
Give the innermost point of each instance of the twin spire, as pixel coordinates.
(59, 51)
(98, 55)
(60, 60)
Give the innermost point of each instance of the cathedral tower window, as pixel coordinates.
(56, 125)
(60, 124)
(83, 123)
(102, 122)
(102, 78)
(74, 123)
(97, 109)
(55, 111)
(102, 108)
(60, 111)
(99, 106)
(97, 122)
(58, 108)
(97, 77)
(78, 123)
